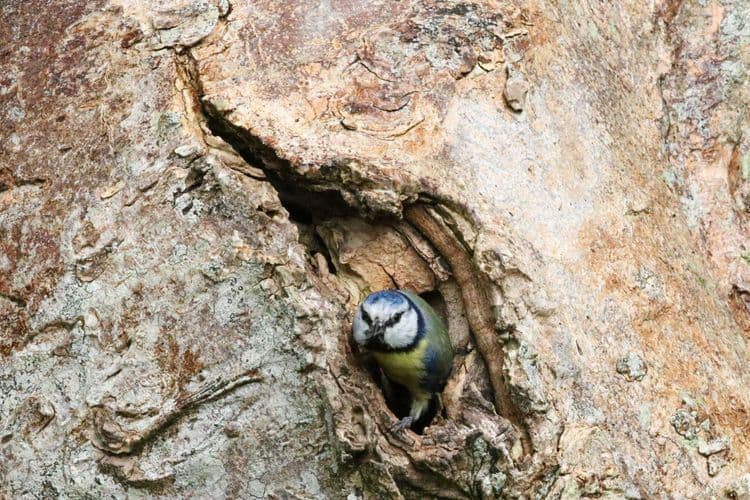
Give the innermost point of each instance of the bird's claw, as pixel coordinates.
(403, 424)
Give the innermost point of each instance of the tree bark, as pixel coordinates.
(195, 195)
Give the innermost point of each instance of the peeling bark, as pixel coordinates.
(478, 311)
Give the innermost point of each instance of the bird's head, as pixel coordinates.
(385, 320)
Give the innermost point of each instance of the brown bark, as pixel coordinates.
(195, 195)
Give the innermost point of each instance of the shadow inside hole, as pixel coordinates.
(398, 398)
(435, 299)
(400, 402)
(306, 209)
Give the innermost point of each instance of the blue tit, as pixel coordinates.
(409, 342)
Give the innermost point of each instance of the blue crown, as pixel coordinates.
(391, 297)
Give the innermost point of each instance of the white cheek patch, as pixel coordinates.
(359, 328)
(403, 333)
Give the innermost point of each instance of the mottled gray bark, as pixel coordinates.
(194, 195)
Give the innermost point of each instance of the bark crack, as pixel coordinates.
(17, 300)
(110, 436)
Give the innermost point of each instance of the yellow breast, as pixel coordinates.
(405, 368)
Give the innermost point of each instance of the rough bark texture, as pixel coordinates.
(194, 195)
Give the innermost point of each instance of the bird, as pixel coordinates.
(410, 344)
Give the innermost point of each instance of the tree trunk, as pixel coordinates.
(195, 195)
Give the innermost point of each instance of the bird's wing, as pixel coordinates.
(438, 357)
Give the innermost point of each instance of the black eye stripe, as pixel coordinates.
(366, 317)
(394, 319)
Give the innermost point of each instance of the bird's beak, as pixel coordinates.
(377, 331)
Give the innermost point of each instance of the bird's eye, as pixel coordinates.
(394, 319)
(366, 317)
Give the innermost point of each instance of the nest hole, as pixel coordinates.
(307, 209)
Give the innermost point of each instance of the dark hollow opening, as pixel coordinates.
(308, 208)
